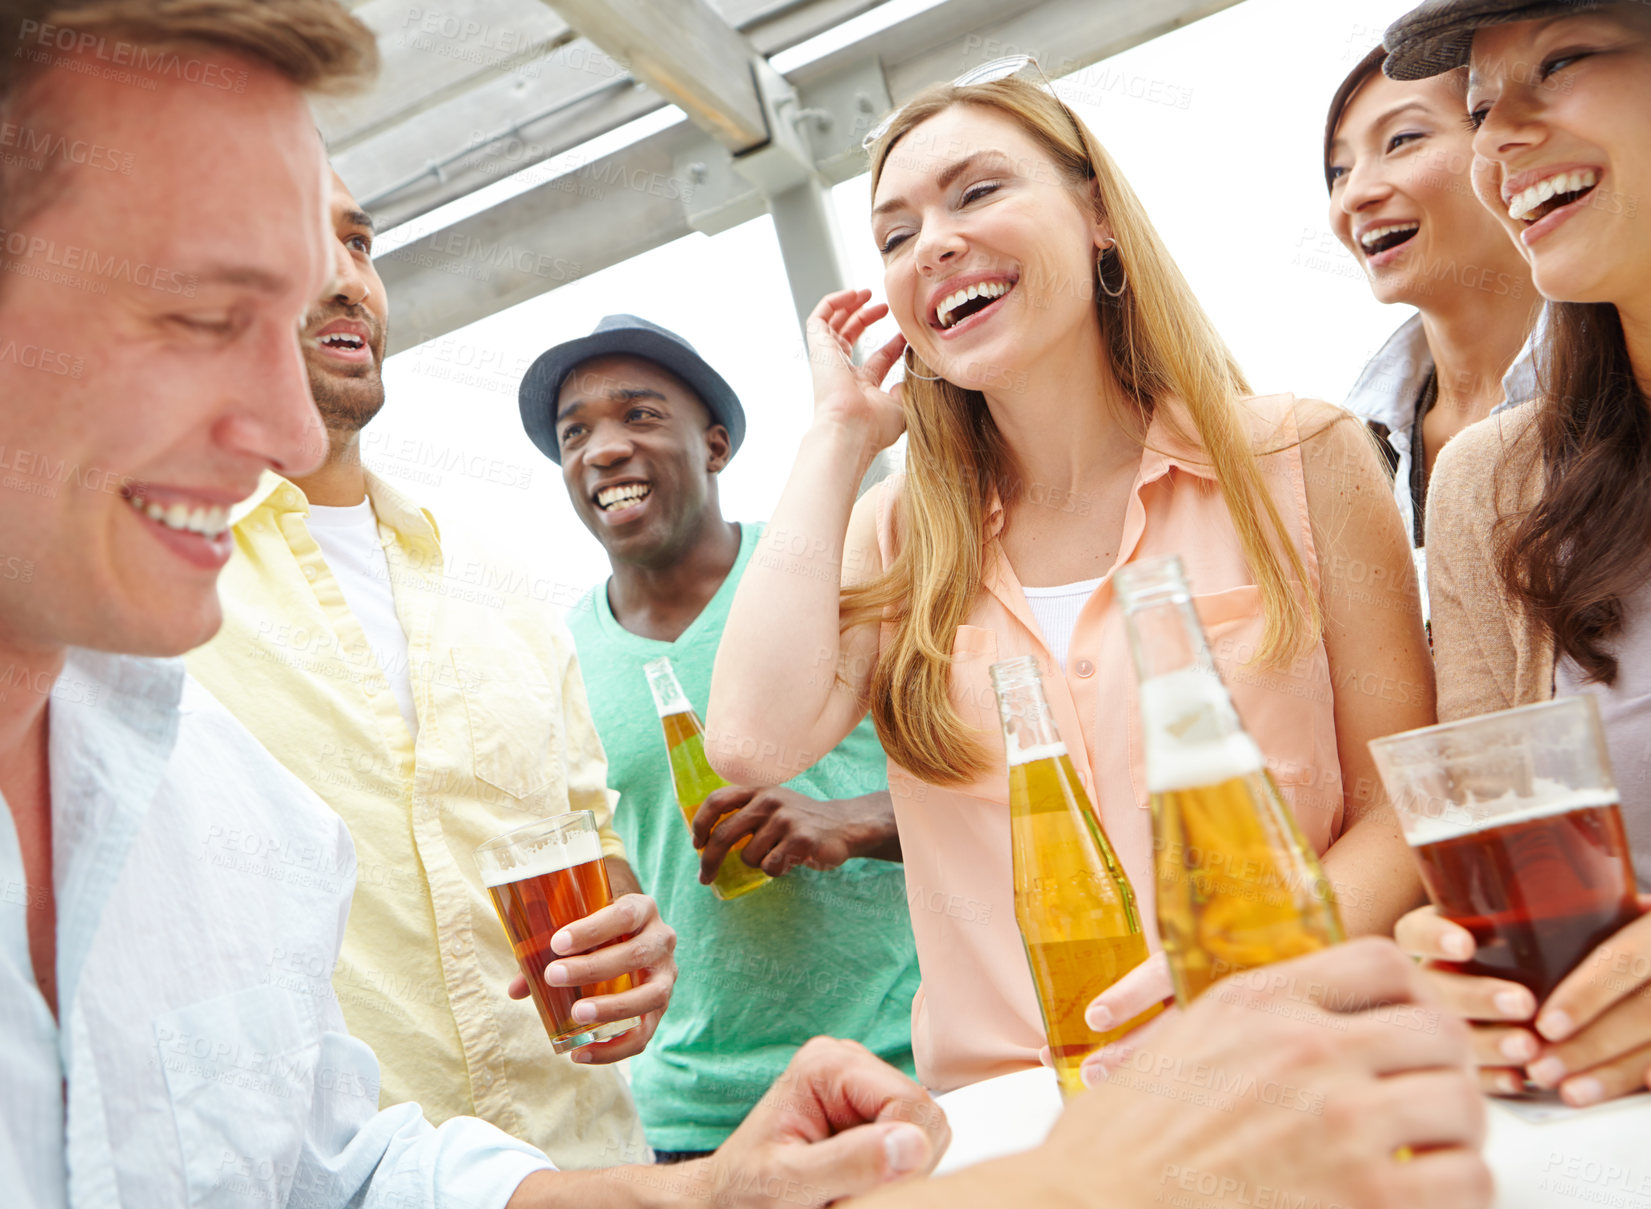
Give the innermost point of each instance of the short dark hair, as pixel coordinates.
(317, 44)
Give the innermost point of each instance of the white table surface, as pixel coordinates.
(1596, 1157)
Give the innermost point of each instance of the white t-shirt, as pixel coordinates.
(1056, 610)
(349, 541)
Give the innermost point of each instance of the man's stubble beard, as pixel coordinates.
(347, 405)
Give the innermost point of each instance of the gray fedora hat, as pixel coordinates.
(1437, 36)
(623, 336)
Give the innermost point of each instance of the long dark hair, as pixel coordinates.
(1586, 545)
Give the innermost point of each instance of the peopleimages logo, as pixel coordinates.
(42, 37)
(47, 144)
(75, 258)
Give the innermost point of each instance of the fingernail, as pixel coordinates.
(1516, 1047)
(1515, 1004)
(1555, 1025)
(1458, 946)
(583, 1012)
(562, 942)
(1093, 1074)
(580, 1056)
(556, 975)
(1546, 1073)
(1509, 1085)
(1099, 1018)
(904, 1147)
(1579, 1093)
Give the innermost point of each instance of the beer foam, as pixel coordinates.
(1455, 820)
(1193, 737)
(580, 849)
(1045, 751)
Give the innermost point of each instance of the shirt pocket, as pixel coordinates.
(240, 1071)
(1288, 709)
(513, 712)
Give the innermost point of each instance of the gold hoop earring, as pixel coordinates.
(906, 364)
(1100, 271)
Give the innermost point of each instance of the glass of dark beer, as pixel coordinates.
(543, 877)
(1514, 822)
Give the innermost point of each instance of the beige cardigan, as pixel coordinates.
(1488, 655)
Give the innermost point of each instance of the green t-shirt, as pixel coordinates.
(809, 953)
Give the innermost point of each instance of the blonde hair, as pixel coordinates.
(1161, 345)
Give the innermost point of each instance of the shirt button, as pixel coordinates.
(1084, 668)
(457, 948)
(309, 572)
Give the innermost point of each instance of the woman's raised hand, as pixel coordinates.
(845, 393)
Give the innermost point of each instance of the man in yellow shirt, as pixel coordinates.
(431, 721)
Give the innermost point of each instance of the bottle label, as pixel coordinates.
(668, 695)
(1193, 736)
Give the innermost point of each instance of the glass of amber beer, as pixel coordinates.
(1514, 822)
(543, 877)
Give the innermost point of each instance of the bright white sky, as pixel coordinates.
(1233, 182)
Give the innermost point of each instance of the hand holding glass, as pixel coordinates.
(1514, 821)
(543, 877)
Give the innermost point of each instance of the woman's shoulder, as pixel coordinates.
(1492, 464)
(875, 512)
(1280, 422)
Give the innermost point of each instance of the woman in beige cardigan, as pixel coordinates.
(1540, 517)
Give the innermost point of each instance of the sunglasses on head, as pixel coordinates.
(1022, 66)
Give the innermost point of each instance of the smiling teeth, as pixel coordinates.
(1566, 182)
(205, 521)
(983, 289)
(625, 493)
(1369, 238)
(343, 340)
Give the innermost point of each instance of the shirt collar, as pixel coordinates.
(1520, 382)
(278, 494)
(1391, 382)
(115, 721)
(399, 512)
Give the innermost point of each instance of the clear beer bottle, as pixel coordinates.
(692, 776)
(1073, 901)
(1237, 886)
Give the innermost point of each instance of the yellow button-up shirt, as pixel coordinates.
(504, 737)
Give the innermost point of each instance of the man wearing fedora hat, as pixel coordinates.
(642, 427)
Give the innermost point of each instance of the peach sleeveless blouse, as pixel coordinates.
(975, 1015)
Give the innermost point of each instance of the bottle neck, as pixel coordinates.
(1192, 733)
(1029, 731)
(668, 695)
(1165, 636)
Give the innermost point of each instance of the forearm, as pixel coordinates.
(674, 1186)
(1373, 874)
(621, 877)
(771, 691)
(878, 837)
(1023, 1179)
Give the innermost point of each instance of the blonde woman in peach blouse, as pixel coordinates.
(1069, 409)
